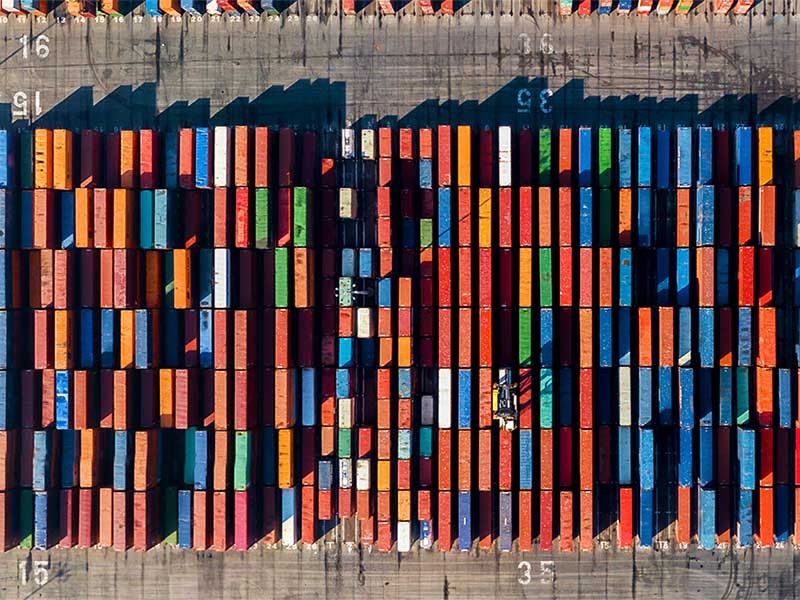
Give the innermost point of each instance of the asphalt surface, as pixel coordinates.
(514, 64)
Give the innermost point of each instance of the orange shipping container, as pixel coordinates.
(128, 159)
(285, 458)
(62, 357)
(124, 235)
(222, 459)
(525, 277)
(44, 219)
(106, 517)
(625, 229)
(766, 215)
(182, 265)
(684, 228)
(666, 334)
(90, 458)
(767, 340)
(62, 159)
(545, 217)
(303, 277)
(284, 398)
(166, 391)
(84, 218)
(645, 337)
(127, 340)
(464, 141)
(586, 337)
(464, 460)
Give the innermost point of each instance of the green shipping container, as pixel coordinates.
(426, 233)
(169, 281)
(169, 511)
(604, 158)
(262, 218)
(426, 441)
(26, 518)
(26, 161)
(546, 399)
(545, 277)
(545, 142)
(345, 291)
(241, 462)
(345, 439)
(742, 395)
(524, 336)
(282, 277)
(300, 217)
(604, 212)
(189, 456)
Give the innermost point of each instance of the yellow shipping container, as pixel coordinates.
(166, 397)
(384, 475)
(285, 458)
(124, 215)
(62, 159)
(62, 355)
(765, 156)
(464, 155)
(404, 352)
(526, 276)
(127, 339)
(484, 218)
(43, 158)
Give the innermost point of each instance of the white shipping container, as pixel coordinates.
(348, 143)
(444, 400)
(346, 412)
(212, 8)
(505, 174)
(222, 266)
(348, 203)
(368, 144)
(345, 473)
(504, 139)
(625, 396)
(426, 414)
(362, 474)
(222, 156)
(308, 389)
(404, 536)
(365, 324)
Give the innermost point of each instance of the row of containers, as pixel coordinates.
(219, 337)
(197, 8)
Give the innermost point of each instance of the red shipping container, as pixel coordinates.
(424, 512)
(149, 175)
(106, 518)
(766, 215)
(444, 338)
(525, 527)
(67, 522)
(262, 150)
(766, 468)
(564, 216)
(765, 295)
(546, 520)
(345, 502)
(565, 295)
(445, 457)
(426, 143)
(683, 233)
(505, 460)
(325, 505)
(765, 534)
(525, 216)
(122, 528)
(705, 276)
(406, 143)
(223, 223)
(485, 515)
(484, 459)
(585, 401)
(606, 276)
(745, 216)
(285, 156)
(485, 337)
(585, 337)
(284, 220)
(103, 222)
(443, 139)
(87, 521)
(465, 338)
(48, 415)
(625, 517)
(185, 159)
(244, 517)
(445, 529)
(545, 217)
(91, 150)
(242, 221)
(747, 267)
(465, 277)
(385, 539)
(464, 216)
(683, 530)
(565, 529)
(244, 354)
(200, 523)
(221, 522)
(44, 219)
(307, 520)
(586, 271)
(244, 391)
(464, 460)
(64, 290)
(42, 334)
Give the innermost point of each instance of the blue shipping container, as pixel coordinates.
(184, 519)
(325, 475)
(645, 396)
(201, 457)
(662, 276)
(725, 396)
(565, 396)
(425, 173)
(343, 389)
(584, 157)
(162, 236)
(663, 159)
(464, 398)
(346, 352)
(546, 342)
(744, 156)
(202, 147)
(146, 219)
(67, 214)
(745, 518)
(606, 326)
(747, 458)
(645, 159)
(444, 218)
(705, 336)
(348, 262)
(704, 232)
(7, 162)
(525, 459)
(624, 336)
(686, 397)
(464, 521)
(42, 459)
(685, 442)
(624, 463)
(682, 276)
(665, 395)
(646, 500)
(706, 518)
(70, 457)
(721, 276)
(625, 276)
(122, 460)
(706, 455)
(107, 338)
(385, 292)
(269, 459)
(63, 400)
(585, 217)
(784, 398)
(744, 345)
(171, 159)
(365, 262)
(705, 155)
(505, 521)
(44, 519)
(624, 160)
(646, 459)
(684, 171)
(684, 336)
(783, 497)
(643, 225)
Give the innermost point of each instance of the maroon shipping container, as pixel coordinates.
(67, 522)
(91, 158)
(285, 157)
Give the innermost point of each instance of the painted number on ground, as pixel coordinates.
(526, 45)
(39, 46)
(21, 105)
(525, 100)
(37, 571)
(547, 572)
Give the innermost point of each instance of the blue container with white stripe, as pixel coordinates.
(684, 171)
(525, 459)
(624, 159)
(63, 400)
(464, 398)
(464, 521)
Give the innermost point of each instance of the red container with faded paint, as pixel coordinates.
(122, 526)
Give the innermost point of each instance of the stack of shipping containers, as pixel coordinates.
(172, 372)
